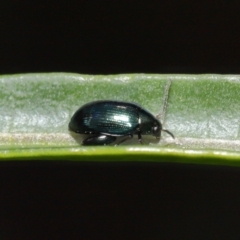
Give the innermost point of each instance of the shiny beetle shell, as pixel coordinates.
(105, 121)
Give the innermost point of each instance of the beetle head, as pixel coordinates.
(156, 129)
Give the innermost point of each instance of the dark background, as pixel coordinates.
(119, 201)
(104, 37)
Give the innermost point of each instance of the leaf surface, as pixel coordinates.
(203, 112)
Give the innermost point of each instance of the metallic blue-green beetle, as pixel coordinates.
(105, 121)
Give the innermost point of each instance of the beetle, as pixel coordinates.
(107, 120)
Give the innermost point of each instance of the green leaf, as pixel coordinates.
(203, 112)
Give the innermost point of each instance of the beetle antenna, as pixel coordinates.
(165, 130)
(166, 93)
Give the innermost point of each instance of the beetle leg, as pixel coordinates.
(98, 140)
(140, 137)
